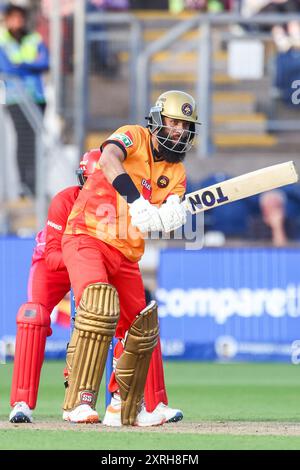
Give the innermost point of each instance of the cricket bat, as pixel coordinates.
(240, 187)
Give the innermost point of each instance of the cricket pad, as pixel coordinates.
(132, 366)
(95, 324)
(33, 327)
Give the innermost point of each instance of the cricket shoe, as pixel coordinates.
(171, 415)
(21, 413)
(81, 414)
(113, 415)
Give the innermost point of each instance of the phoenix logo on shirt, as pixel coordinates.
(163, 181)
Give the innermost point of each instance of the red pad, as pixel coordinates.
(33, 326)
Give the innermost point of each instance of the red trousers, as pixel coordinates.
(89, 261)
(47, 287)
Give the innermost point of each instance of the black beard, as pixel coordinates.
(163, 153)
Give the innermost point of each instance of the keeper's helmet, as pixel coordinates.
(87, 165)
(177, 105)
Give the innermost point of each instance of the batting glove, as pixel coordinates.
(144, 216)
(172, 214)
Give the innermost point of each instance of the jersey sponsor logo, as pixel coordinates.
(163, 181)
(146, 184)
(87, 398)
(146, 188)
(187, 109)
(124, 138)
(53, 225)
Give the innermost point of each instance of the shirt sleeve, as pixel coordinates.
(125, 138)
(6, 66)
(57, 218)
(41, 64)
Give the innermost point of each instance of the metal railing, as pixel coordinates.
(141, 57)
(35, 120)
(81, 38)
(204, 22)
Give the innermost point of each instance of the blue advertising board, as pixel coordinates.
(230, 304)
(15, 256)
(214, 304)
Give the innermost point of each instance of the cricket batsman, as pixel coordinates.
(138, 189)
(48, 283)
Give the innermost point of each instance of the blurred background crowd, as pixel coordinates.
(72, 78)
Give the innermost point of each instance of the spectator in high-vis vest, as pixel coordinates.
(23, 59)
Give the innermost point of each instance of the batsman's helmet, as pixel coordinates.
(87, 165)
(177, 105)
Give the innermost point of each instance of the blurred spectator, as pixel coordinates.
(272, 224)
(292, 193)
(279, 219)
(253, 7)
(195, 4)
(287, 41)
(23, 57)
(149, 4)
(111, 5)
(213, 6)
(273, 216)
(286, 38)
(287, 71)
(177, 6)
(281, 6)
(287, 60)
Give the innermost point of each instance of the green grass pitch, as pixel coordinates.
(207, 393)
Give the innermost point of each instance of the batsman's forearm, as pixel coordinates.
(115, 173)
(111, 167)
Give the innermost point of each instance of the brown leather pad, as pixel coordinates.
(132, 366)
(95, 324)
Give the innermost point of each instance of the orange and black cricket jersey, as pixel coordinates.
(101, 212)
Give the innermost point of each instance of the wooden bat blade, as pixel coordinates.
(242, 186)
